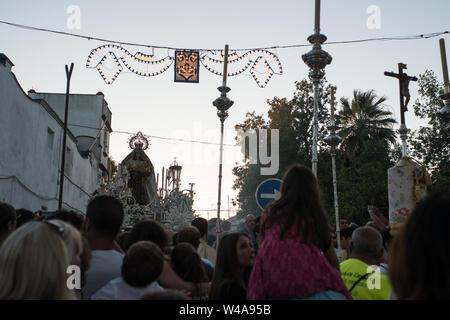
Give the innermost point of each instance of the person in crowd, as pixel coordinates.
(384, 268)
(23, 216)
(258, 235)
(122, 240)
(387, 241)
(104, 217)
(169, 235)
(248, 227)
(419, 264)
(204, 249)
(362, 267)
(235, 258)
(296, 259)
(345, 240)
(7, 221)
(148, 230)
(225, 226)
(142, 266)
(191, 235)
(74, 218)
(72, 239)
(187, 264)
(211, 237)
(151, 230)
(333, 235)
(77, 248)
(380, 222)
(343, 223)
(34, 261)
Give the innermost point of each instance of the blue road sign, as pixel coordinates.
(267, 191)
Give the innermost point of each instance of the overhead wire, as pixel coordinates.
(412, 37)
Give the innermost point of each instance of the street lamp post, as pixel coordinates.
(223, 103)
(333, 141)
(316, 59)
(175, 174)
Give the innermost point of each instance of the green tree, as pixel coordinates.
(431, 144)
(362, 119)
(365, 182)
(293, 118)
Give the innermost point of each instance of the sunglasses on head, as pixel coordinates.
(55, 225)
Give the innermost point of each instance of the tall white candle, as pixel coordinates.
(332, 105)
(225, 67)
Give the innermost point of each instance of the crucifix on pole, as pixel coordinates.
(403, 80)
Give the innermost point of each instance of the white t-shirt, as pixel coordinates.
(118, 289)
(105, 266)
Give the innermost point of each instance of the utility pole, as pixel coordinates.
(63, 157)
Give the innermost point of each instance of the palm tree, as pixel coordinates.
(365, 118)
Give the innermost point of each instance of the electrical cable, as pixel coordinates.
(413, 37)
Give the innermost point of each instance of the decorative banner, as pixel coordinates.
(187, 66)
(108, 60)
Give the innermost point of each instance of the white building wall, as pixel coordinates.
(85, 110)
(30, 157)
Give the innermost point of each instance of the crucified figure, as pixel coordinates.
(404, 92)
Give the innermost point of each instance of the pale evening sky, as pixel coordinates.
(157, 106)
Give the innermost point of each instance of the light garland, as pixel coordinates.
(108, 60)
(263, 65)
(140, 64)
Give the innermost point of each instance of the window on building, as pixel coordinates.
(50, 138)
(68, 162)
(105, 139)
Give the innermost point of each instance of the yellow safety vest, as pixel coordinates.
(375, 286)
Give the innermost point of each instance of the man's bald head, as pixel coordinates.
(367, 242)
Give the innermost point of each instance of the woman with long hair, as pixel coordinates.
(188, 265)
(235, 258)
(296, 258)
(34, 261)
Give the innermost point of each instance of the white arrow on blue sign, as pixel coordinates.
(267, 191)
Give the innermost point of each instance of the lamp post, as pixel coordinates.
(175, 174)
(316, 59)
(223, 103)
(333, 141)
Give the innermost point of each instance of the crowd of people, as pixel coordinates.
(287, 252)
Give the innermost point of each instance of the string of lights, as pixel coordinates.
(261, 63)
(412, 37)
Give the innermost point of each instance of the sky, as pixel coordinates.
(159, 107)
